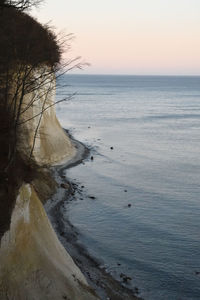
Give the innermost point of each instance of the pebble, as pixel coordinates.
(125, 278)
(136, 290)
(65, 186)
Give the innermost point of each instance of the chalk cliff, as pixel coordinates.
(33, 263)
(51, 144)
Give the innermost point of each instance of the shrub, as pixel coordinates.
(26, 40)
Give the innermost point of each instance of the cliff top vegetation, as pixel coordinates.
(21, 5)
(25, 45)
(30, 56)
(24, 39)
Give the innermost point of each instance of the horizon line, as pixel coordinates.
(142, 75)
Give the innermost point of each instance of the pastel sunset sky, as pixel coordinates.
(140, 37)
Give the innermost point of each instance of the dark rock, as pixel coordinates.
(136, 290)
(197, 272)
(125, 191)
(125, 278)
(92, 197)
(65, 186)
(92, 158)
(129, 205)
(82, 186)
(111, 148)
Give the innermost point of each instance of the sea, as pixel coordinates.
(139, 210)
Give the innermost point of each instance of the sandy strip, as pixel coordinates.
(81, 153)
(106, 287)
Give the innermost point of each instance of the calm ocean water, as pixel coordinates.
(153, 123)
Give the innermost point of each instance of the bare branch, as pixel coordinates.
(20, 4)
(53, 104)
(30, 66)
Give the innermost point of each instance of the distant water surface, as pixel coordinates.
(153, 124)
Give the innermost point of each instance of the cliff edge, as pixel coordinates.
(33, 263)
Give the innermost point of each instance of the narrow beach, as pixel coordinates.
(104, 284)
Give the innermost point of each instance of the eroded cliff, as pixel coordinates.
(42, 132)
(33, 263)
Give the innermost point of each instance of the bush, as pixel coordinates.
(26, 40)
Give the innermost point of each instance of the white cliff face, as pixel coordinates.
(33, 263)
(51, 143)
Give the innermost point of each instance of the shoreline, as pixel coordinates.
(105, 285)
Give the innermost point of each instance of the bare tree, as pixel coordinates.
(21, 5)
(30, 63)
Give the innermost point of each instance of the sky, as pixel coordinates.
(139, 37)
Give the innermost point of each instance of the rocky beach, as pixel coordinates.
(105, 285)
